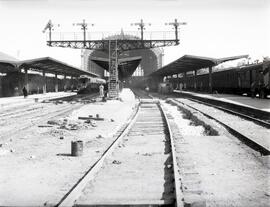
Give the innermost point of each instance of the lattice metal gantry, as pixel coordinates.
(114, 47)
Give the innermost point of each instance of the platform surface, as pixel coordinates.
(261, 104)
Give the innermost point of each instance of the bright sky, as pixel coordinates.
(216, 28)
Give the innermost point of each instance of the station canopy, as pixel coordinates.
(126, 66)
(46, 64)
(190, 63)
(7, 63)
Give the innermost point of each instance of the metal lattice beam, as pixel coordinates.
(103, 45)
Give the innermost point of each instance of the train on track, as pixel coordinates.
(249, 79)
(89, 85)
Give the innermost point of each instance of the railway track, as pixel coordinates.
(261, 122)
(136, 169)
(252, 134)
(207, 154)
(258, 116)
(17, 111)
(34, 116)
(250, 130)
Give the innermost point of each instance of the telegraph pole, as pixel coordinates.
(84, 28)
(176, 24)
(141, 26)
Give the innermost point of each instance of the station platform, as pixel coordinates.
(7, 102)
(254, 105)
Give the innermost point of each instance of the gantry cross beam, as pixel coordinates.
(103, 45)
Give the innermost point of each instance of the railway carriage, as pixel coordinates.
(89, 84)
(237, 80)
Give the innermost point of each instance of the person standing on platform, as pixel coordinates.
(24, 92)
(101, 91)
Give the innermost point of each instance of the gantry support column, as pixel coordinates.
(26, 84)
(44, 86)
(56, 83)
(113, 70)
(210, 80)
(195, 80)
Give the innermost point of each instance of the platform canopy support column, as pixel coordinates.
(1, 87)
(210, 80)
(26, 83)
(195, 80)
(44, 87)
(56, 83)
(76, 82)
(71, 80)
(65, 82)
(185, 80)
(178, 80)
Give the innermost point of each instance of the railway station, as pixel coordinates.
(145, 117)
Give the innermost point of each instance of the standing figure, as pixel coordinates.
(253, 89)
(101, 91)
(24, 92)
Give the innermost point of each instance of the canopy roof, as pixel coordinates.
(126, 66)
(47, 64)
(190, 62)
(8, 66)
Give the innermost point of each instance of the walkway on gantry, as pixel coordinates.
(189, 63)
(44, 65)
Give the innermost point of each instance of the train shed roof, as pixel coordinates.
(47, 64)
(126, 65)
(190, 62)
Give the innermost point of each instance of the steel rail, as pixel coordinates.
(40, 118)
(74, 193)
(242, 115)
(177, 183)
(248, 141)
(71, 196)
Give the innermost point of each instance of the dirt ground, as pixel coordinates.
(231, 173)
(36, 165)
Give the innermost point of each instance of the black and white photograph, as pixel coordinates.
(135, 103)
